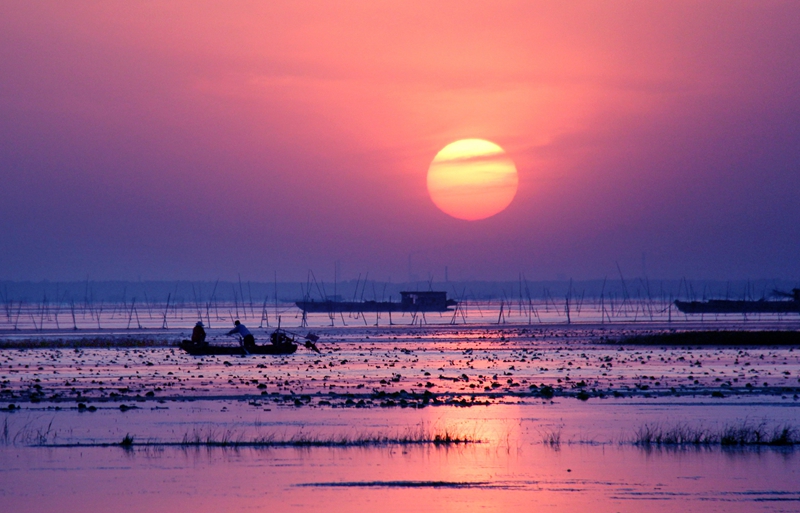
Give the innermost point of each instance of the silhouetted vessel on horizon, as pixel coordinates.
(410, 301)
(791, 304)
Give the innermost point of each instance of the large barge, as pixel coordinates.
(410, 301)
(726, 306)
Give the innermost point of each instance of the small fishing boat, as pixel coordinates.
(280, 343)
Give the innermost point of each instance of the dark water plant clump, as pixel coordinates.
(547, 392)
(743, 434)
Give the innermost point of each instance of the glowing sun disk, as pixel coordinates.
(472, 179)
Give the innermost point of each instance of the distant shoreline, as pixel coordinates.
(721, 338)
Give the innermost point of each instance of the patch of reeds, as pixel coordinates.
(743, 434)
(418, 435)
(551, 436)
(29, 434)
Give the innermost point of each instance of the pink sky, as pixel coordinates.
(191, 140)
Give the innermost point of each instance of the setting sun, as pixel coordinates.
(472, 179)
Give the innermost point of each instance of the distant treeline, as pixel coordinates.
(89, 291)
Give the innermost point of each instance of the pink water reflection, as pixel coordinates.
(475, 478)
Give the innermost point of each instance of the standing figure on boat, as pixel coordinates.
(247, 340)
(199, 334)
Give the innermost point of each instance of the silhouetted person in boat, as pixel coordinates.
(279, 338)
(248, 341)
(199, 334)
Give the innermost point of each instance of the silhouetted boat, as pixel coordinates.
(723, 306)
(281, 343)
(413, 301)
(210, 350)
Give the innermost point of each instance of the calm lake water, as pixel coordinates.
(479, 382)
(504, 474)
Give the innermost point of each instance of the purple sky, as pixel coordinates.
(201, 141)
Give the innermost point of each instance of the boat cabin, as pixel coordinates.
(425, 301)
